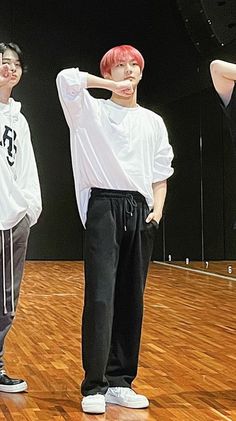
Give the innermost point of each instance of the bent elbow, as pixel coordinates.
(216, 67)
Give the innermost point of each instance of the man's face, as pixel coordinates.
(127, 69)
(11, 58)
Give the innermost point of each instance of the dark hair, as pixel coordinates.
(14, 47)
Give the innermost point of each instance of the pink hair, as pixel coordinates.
(120, 53)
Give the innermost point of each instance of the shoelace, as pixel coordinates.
(122, 391)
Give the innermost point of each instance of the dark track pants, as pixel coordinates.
(11, 273)
(118, 247)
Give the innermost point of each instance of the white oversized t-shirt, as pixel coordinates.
(112, 147)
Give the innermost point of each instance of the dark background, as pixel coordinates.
(200, 209)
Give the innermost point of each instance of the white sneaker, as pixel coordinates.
(125, 396)
(94, 404)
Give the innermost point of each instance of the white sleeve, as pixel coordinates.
(163, 156)
(11, 200)
(27, 177)
(71, 85)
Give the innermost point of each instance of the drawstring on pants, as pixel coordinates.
(4, 274)
(129, 206)
(129, 198)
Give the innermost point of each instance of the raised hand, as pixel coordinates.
(5, 73)
(123, 88)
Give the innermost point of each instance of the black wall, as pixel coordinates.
(176, 84)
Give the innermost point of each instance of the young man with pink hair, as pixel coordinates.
(121, 160)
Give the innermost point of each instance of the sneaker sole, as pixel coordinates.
(134, 405)
(16, 388)
(93, 409)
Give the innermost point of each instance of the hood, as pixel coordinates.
(11, 109)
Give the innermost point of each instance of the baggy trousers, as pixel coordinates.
(13, 245)
(118, 247)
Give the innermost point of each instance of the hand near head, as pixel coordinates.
(123, 88)
(5, 73)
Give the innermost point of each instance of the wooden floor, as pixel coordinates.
(187, 359)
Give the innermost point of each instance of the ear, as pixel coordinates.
(140, 77)
(107, 76)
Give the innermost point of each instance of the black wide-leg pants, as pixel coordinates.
(118, 247)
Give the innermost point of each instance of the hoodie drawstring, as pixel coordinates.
(4, 274)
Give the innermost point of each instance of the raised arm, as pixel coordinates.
(72, 84)
(71, 81)
(122, 88)
(223, 76)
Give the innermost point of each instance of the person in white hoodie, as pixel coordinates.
(20, 198)
(121, 160)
